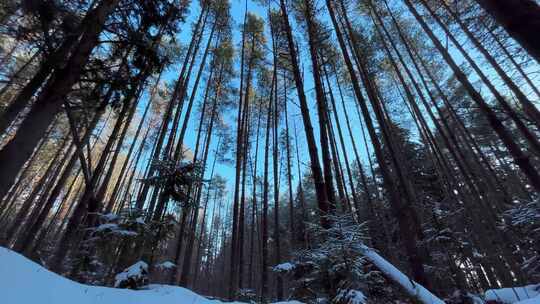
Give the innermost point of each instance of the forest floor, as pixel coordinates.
(22, 281)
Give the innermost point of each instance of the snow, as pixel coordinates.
(523, 295)
(114, 229)
(23, 282)
(283, 267)
(107, 226)
(535, 300)
(135, 272)
(357, 297)
(109, 217)
(166, 265)
(352, 297)
(414, 289)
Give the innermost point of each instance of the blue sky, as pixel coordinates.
(227, 170)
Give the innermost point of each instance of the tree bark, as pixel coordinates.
(520, 158)
(320, 187)
(16, 152)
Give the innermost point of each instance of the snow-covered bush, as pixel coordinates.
(351, 296)
(333, 271)
(523, 220)
(246, 295)
(123, 225)
(133, 277)
(92, 259)
(118, 233)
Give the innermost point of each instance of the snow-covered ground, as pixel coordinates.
(25, 282)
(529, 294)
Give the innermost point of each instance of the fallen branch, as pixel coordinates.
(411, 287)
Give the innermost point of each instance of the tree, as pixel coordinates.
(519, 18)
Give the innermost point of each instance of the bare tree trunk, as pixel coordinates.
(320, 187)
(289, 168)
(511, 58)
(12, 79)
(342, 144)
(520, 18)
(112, 199)
(238, 161)
(520, 158)
(102, 190)
(528, 106)
(180, 142)
(254, 198)
(340, 183)
(185, 212)
(531, 138)
(276, 175)
(87, 204)
(264, 252)
(23, 99)
(186, 266)
(321, 105)
(29, 201)
(17, 151)
(157, 153)
(403, 211)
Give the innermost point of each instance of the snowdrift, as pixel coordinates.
(25, 282)
(529, 294)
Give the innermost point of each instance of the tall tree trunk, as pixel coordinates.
(402, 208)
(178, 150)
(528, 107)
(241, 216)
(342, 144)
(26, 206)
(320, 98)
(203, 224)
(531, 138)
(264, 251)
(254, 181)
(4, 201)
(275, 163)
(158, 146)
(87, 203)
(520, 18)
(185, 212)
(17, 151)
(186, 266)
(511, 58)
(238, 162)
(50, 63)
(47, 202)
(289, 168)
(116, 188)
(520, 158)
(102, 190)
(342, 191)
(320, 187)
